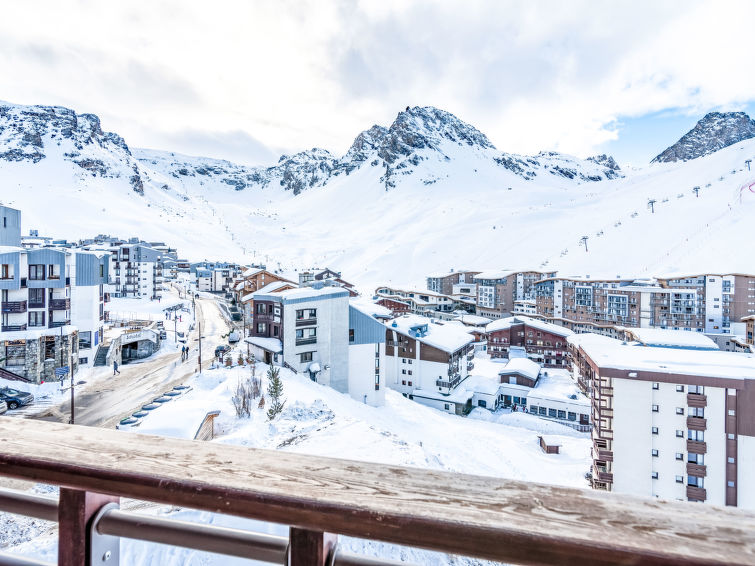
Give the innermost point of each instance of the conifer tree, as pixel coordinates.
(274, 392)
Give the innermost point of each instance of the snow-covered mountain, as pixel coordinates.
(428, 192)
(715, 131)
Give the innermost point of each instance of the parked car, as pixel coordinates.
(222, 350)
(233, 337)
(3, 407)
(14, 398)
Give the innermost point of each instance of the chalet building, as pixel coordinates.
(427, 360)
(543, 342)
(701, 303)
(396, 307)
(427, 303)
(670, 422)
(314, 331)
(497, 291)
(251, 280)
(52, 303)
(749, 329)
(445, 283)
(322, 275)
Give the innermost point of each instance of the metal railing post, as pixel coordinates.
(75, 512)
(310, 548)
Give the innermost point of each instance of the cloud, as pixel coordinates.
(291, 75)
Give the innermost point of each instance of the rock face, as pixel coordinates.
(31, 133)
(422, 142)
(715, 131)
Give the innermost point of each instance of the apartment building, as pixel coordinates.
(672, 423)
(497, 291)
(701, 303)
(420, 302)
(52, 303)
(542, 341)
(749, 329)
(137, 270)
(444, 283)
(254, 279)
(312, 276)
(426, 361)
(316, 332)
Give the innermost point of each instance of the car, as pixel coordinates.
(222, 350)
(15, 398)
(3, 407)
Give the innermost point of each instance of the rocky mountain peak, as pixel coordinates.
(716, 130)
(606, 161)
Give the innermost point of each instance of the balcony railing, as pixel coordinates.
(696, 423)
(60, 304)
(13, 327)
(493, 519)
(696, 493)
(696, 470)
(696, 447)
(14, 307)
(305, 341)
(306, 322)
(58, 323)
(696, 400)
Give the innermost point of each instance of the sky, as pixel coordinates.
(250, 80)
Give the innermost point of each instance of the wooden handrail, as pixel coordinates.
(510, 521)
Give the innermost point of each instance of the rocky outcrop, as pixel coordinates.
(715, 131)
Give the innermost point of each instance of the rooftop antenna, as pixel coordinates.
(584, 241)
(651, 205)
(696, 190)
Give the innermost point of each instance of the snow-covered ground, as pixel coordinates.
(318, 420)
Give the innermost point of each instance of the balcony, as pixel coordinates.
(696, 400)
(58, 323)
(13, 327)
(490, 519)
(696, 470)
(10, 307)
(696, 423)
(696, 447)
(60, 304)
(305, 341)
(306, 322)
(696, 493)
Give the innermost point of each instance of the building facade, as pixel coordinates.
(497, 291)
(543, 342)
(444, 283)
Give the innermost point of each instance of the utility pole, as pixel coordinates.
(696, 190)
(200, 346)
(651, 204)
(72, 406)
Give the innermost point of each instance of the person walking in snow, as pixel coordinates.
(115, 368)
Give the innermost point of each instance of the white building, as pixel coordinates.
(137, 271)
(671, 422)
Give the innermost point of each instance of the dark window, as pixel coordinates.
(351, 334)
(305, 356)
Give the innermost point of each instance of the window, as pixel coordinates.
(655, 475)
(303, 314)
(680, 456)
(5, 271)
(679, 479)
(680, 388)
(305, 357)
(403, 371)
(552, 413)
(403, 360)
(542, 411)
(85, 340)
(680, 410)
(403, 382)
(36, 318)
(409, 372)
(351, 334)
(680, 434)
(730, 460)
(654, 453)
(409, 383)
(654, 430)
(730, 483)
(275, 330)
(445, 406)
(572, 416)
(562, 414)
(409, 361)
(655, 408)
(261, 308)
(731, 412)
(36, 298)
(655, 385)
(731, 436)
(533, 409)
(37, 272)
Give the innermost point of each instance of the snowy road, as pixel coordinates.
(112, 399)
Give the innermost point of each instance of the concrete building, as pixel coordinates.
(444, 283)
(52, 303)
(672, 423)
(497, 291)
(426, 303)
(137, 271)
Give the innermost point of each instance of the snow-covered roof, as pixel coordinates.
(474, 320)
(176, 420)
(459, 395)
(494, 274)
(672, 338)
(251, 271)
(446, 337)
(521, 366)
(508, 322)
(270, 344)
(307, 292)
(708, 363)
(239, 285)
(559, 386)
(369, 308)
